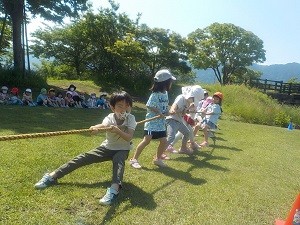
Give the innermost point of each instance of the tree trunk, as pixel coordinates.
(15, 9)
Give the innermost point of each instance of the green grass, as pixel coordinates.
(251, 175)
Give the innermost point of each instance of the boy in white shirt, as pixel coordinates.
(120, 128)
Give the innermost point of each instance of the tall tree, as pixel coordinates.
(69, 46)
(48, 9)
(226, 49)
(5, 37)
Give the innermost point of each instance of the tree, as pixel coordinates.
(5, 37)
(162, 48)
(244, 76)
(48, 9)
(226, 49)
(68, 46)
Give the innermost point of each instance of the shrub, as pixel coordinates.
(11, 78)
(281, 119)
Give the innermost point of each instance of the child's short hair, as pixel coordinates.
(120, 96)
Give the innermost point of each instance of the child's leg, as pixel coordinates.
(205, 133)
(196, 128)
(186, 135)
(118, 167)
(172, 129)
(163, 144)
(178, 136)
(93, 156)
(146, 140)
(191, 134)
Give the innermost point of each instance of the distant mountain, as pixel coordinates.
(278, 72)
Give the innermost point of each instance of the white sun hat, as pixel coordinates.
(163, 75)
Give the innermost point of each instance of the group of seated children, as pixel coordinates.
(51, 98)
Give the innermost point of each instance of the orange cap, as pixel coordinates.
(219, 94)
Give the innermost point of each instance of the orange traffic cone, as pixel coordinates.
(294, 215)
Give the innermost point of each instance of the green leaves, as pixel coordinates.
(225, 48)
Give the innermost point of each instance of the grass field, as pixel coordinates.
(250, 176)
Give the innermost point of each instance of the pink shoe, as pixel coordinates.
(204, 144)
(171, 149)
(185, 151)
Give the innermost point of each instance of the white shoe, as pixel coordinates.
(135, 164)
(109, 197)
(159, 162)
(46, 181)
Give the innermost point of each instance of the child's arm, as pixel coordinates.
(126, 135)
(95, 128)
(155, 110)
(173, 109)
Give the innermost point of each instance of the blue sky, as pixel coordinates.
(276, 22)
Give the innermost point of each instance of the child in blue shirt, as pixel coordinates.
(157, 104)
(41, 99)
(211, 116)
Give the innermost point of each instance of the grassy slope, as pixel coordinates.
(251, 175)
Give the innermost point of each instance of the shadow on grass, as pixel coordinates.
(130, 192)
(224, 147)
(136, 196)
(178, 175)
(203, 163)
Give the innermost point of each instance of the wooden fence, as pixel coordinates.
(277, 86)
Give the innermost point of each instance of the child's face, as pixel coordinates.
(27, 93)
(121, 109)
(216, 99)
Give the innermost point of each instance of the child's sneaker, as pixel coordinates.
(185, 151)
(159, 162)
(135, 164)
(171, 149)
(46, 181)
(109, 197)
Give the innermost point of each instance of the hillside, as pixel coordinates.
(280, 72)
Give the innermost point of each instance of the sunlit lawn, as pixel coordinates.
(251, 175)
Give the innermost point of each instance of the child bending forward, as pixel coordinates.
(120, 128)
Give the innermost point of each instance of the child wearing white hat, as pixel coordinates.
(27, 98)
(4, 96)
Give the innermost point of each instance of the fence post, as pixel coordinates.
(290, 88)
(265, 86)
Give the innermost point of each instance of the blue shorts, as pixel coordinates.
(156, 134)
(209, 124)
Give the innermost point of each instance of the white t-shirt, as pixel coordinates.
(182, 105)
(113, 141)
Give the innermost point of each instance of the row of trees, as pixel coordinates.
(113, 49)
